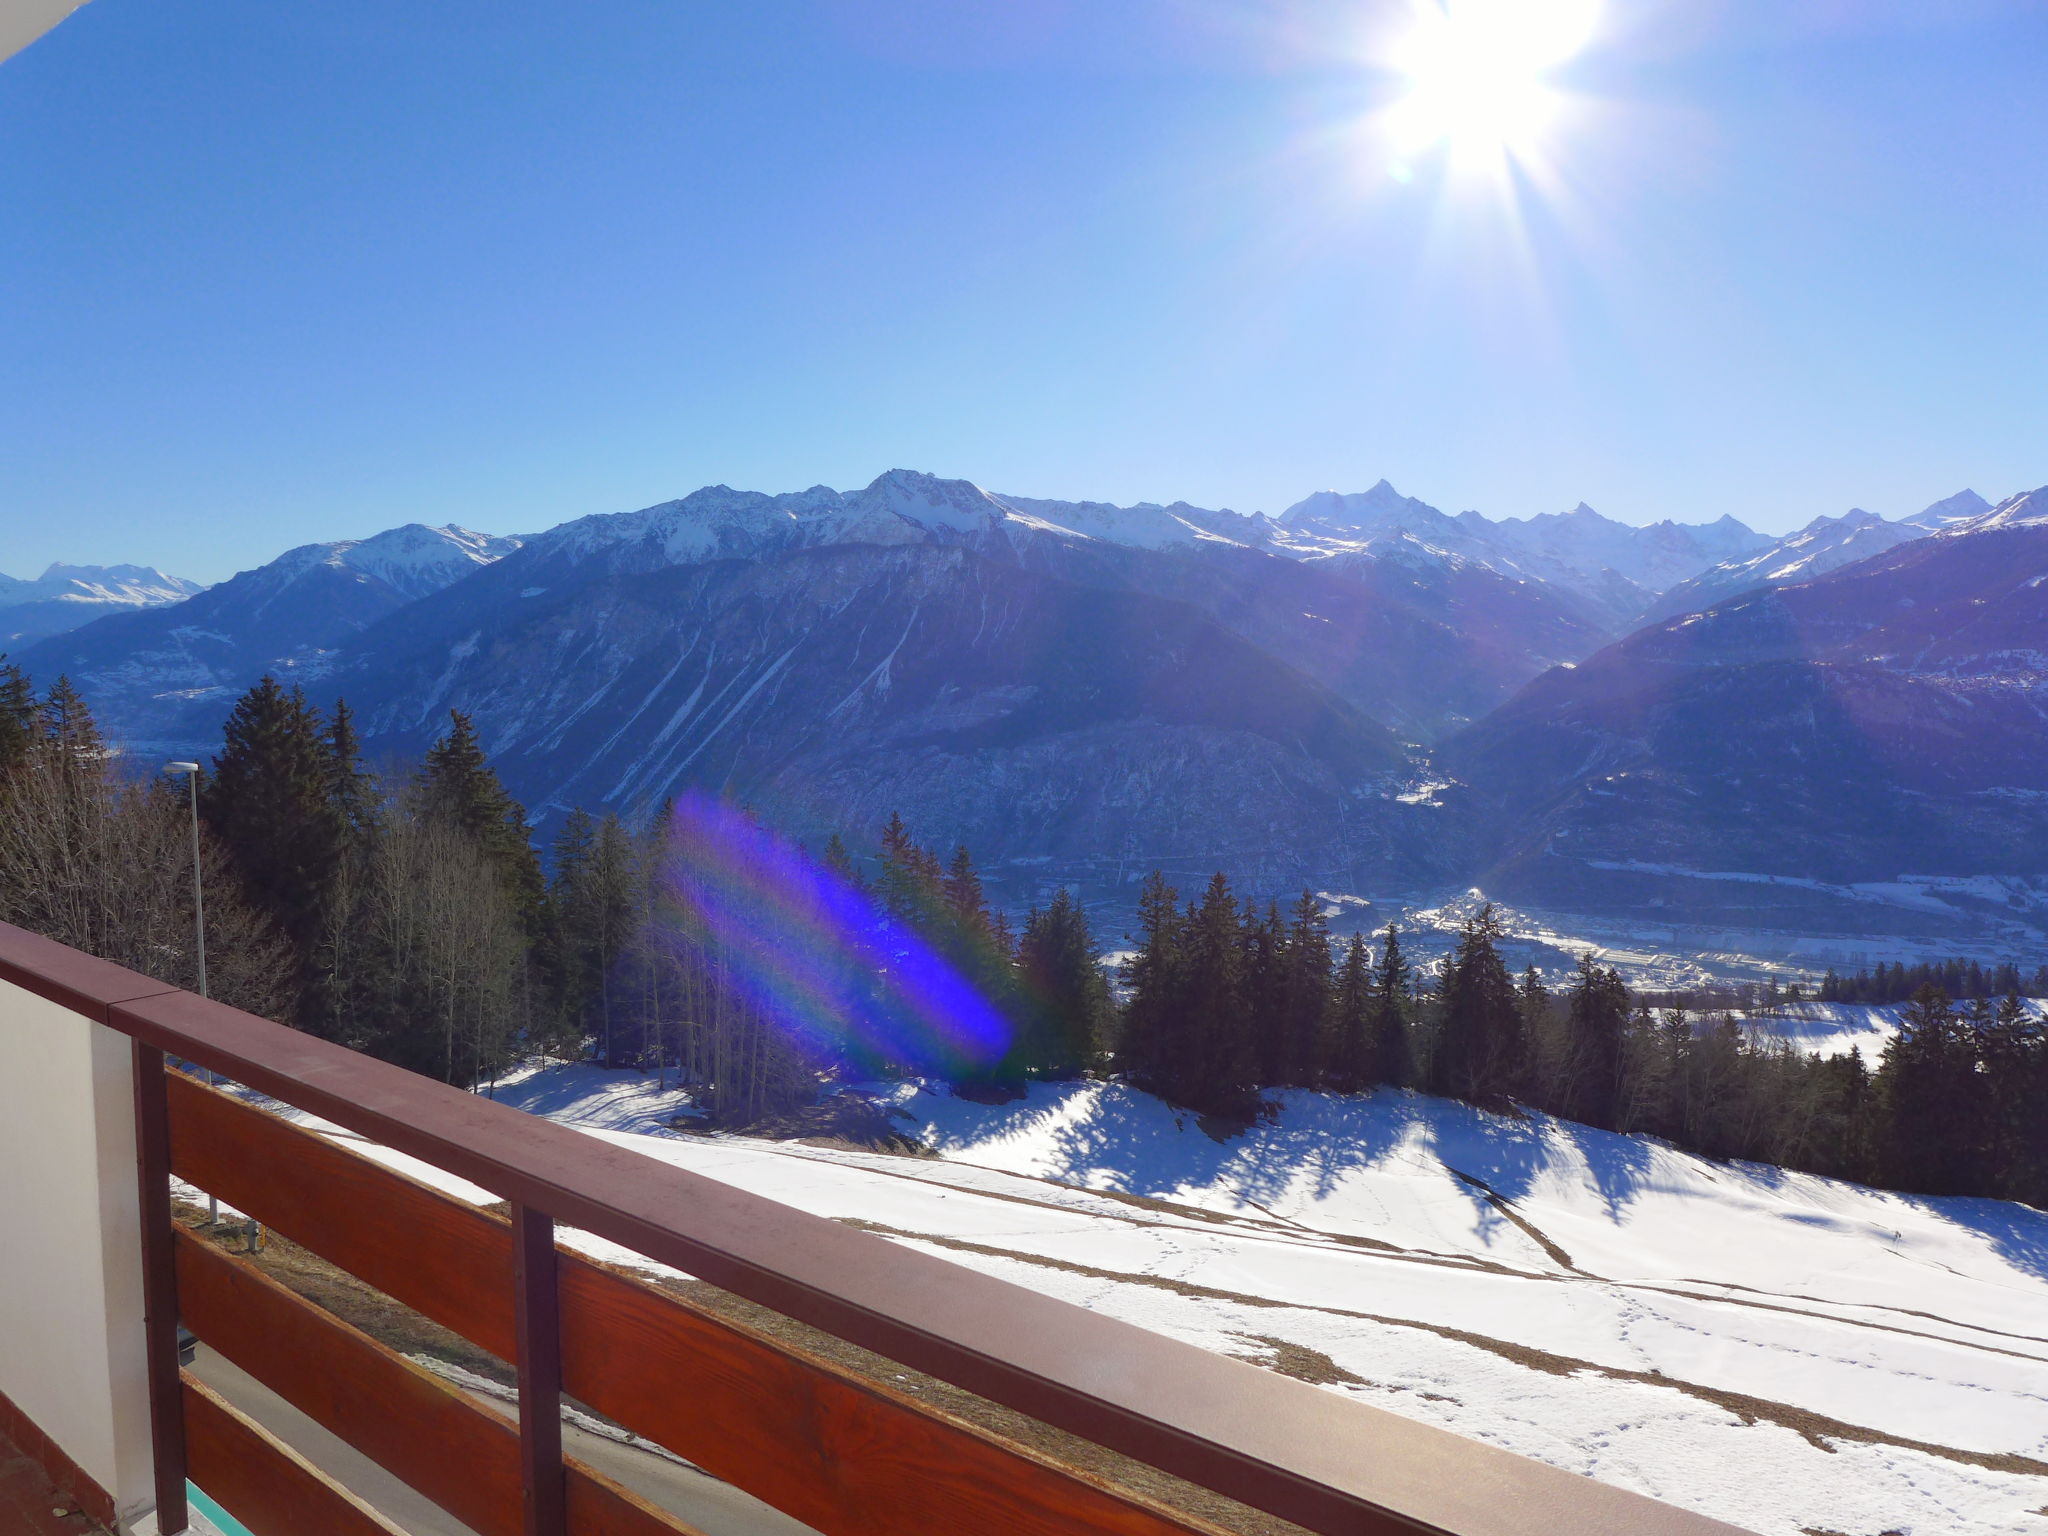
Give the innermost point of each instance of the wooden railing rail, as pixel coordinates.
(1335, 1466)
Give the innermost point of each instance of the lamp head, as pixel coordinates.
(181, 767)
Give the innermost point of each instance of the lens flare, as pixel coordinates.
(823, 960)
(1476, 75)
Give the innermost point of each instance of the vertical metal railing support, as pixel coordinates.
(159, 1289)
(536, 1285)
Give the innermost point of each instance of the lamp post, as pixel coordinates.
(190, 773)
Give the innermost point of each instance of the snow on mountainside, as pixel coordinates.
(2029, 509)
(1788, 1353)
(408, 562)
(1613, 568)
(166, 676)
(1886, 718)
(1823, 545)
(1959, 508)
(66, 596)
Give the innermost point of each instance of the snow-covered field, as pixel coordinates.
(1785, 1352)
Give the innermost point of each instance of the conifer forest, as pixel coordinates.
(406, 911)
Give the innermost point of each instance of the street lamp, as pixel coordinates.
(190, 773)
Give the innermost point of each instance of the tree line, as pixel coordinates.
(1227, 1001)
(1957, 979)
(408, 914)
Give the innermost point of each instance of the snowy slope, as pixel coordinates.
(1785, 1352)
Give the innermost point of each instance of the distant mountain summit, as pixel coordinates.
(1959, 508)
(1823, 545)
(166, 675)
(1613, 570)
(66, 596)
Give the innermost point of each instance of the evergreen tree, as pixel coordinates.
(1392, 1059)
(19, 726)
(1066, 1003)
(1479, 1053)
(1934, 1101)
(1306, 992)
(1264, 977)
(270, 801)
(68, 725)
(1153, 972)
(2014, 1052)
(1352, 1059)
(457, 788)
(1215, 1067)
(1596, 1022)
(351, 789)
(840, 864)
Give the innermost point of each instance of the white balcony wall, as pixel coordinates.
(71, 1344)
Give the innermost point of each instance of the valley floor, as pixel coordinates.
(1785, 1352)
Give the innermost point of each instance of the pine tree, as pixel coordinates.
(458, 788)
(1934, 1101)
(1264, 978)
(1479, 1053)
(1306, 966)
(19, 727)
(1596, 1022)
(352, 789)
(270, 801)
(1216, 1066)
(1392, 1059)
(68, 725)
(839, 863)
(2014, 1052)
(1351, 1061)
(1153, 972)
(1066, 1001)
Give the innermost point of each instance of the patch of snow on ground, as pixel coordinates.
(1781, 1351)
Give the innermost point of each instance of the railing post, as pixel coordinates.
(159, 1289)
(536, 1288)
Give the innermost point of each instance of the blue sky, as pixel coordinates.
(281, 273)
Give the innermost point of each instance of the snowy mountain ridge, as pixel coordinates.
(66, 596)
(412, 559)
(1611, 568)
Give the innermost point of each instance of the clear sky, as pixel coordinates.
(282, 272)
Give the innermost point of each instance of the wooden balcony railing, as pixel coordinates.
(839, 1452)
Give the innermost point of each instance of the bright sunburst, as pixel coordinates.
(1477, 73)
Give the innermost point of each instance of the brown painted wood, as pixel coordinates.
(844, 1456)
(159, 1288)
(435, 1253)
(263, 1482)
(85, 984)
(839, 1454)
(537, 1310)
(460, 1454)
(1323, 1461)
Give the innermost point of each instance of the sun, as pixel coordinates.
(1477, 75)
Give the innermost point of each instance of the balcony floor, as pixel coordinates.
(29, 1501)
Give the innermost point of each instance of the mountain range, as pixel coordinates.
(1361, 693)
(67, 596)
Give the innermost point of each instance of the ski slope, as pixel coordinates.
(1788, 1353)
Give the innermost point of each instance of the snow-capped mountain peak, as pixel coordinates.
(66, 596)
(412, 559)
(1959, 508)
(2029, 509)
